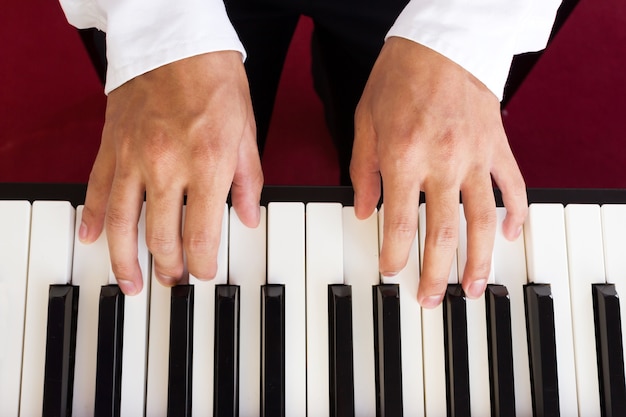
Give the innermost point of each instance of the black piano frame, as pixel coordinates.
(75, 194)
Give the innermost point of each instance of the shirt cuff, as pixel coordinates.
(480, 35)
(145, 34)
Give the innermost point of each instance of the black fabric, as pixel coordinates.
(95, 44)
(347, 38)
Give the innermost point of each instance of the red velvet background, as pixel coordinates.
(565, 124)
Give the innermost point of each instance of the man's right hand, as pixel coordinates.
(186, 128)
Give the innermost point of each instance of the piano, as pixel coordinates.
(298, 322)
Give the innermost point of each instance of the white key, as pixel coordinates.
(158, 345)
(614, 242)
(546, 252)
(90, 272)
(585, 254)
(50, 262)
(286, 265)
(324, 266)
(158, 348)
(247, 266)
(360, 263)
(410, 328)
(509, 267)
(203, 328)
(135, 350)
(14, 240)
(432, 335)
(477, 350)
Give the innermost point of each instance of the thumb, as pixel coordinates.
(364, 168)
(508, 177)
(248, 182)
(98, 190)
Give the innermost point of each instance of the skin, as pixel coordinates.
(187, 128)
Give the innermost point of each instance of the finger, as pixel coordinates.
(248, 183)
(97, 197)
(401, 202)
(480, 213)
(442, 231)
(509, 179)
(364, 169)
(122, 216)
(202, 229)
(163, 233)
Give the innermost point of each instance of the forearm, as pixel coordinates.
(145, 34)
(480, 35)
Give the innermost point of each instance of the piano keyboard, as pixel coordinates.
(298, 321)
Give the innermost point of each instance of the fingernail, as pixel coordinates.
(477, 288)
(167, 281)
(431, 301)
(82, 231)
(517, 232)
(386, 275)
(128, 287)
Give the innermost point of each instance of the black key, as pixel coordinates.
(181, 351)
(387, 350)
(60, 350)
(542, 349)
(226, 381)
(273, 350)
(109, 357)
(502, 387)
(455, 342)
(610, 351)
(341, 381)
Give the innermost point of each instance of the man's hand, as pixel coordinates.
(425, 123)
(186, 128)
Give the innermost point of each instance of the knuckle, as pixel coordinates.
(203, 273)
(519, 215)
(484, 220)
(479, 269)
(523, 212)
(169, 273)
(448, 148)
(402, 228)
(117, 222)
(354, 170)
(198, 244)
(91, 213)
(362, 112)
(391, 264)
(519, 185)
(517, 212)
(403, 151)
(433, 284)
(97, 181)
(166, 277)
(394, 266)
(159, 157)
(161, 245)
(445, 237)
(445, 177)
(122, 269)
(257, 179)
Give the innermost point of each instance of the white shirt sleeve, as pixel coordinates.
(480, 35)
(145, 34)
